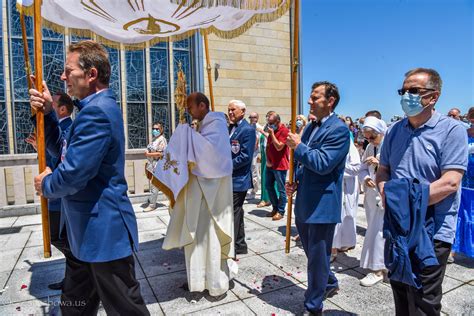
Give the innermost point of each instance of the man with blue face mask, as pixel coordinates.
(431, 148)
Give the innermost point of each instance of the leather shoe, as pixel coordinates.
(272, 213)
(56, 286)
(331, 292)
(277, 217)
(241, 251)
(263, 204)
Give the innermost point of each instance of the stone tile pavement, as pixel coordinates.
(269, 282)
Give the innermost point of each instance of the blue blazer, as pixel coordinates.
(52, 158)
(408, 230)
(320, 170)
(100, 222)
(54, 205)
(242, 143)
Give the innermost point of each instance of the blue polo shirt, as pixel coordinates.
(424, 153)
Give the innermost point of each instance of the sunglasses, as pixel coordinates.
(414, 90)
(371, 138)
(252, 117)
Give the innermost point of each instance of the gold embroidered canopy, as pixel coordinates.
(134, 22)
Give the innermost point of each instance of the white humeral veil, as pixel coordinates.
(202, 213)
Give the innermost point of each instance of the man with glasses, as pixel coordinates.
(433, 149)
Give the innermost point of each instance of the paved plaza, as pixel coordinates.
(269, 282)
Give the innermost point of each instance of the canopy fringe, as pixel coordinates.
(257, 18)
(240, 4)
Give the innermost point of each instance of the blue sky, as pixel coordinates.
(366, 46)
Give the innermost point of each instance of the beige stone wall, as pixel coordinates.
(255, 68)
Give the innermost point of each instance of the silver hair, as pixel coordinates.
(238, 103)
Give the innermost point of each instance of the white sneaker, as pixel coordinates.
(371, 279)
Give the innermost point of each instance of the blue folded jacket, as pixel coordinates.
(408, 230)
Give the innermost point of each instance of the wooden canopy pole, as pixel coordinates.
(209, 68)
(40, 124)
(294, 101)
(25, 50)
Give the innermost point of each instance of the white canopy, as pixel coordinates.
(133, 22)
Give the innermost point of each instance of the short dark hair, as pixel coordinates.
(331, 90)
(92, 54)
(201, 97)
(65, 100)
(374, 113)
(277, 116)
(434, 81)
(470, 112)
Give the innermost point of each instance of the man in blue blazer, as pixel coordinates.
(320, 157)
(242, 141)
(99, 218)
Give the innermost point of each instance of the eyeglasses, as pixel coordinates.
(414, 90)
(252, 117)
(371, 138)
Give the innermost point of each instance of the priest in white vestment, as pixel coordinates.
(196, 174)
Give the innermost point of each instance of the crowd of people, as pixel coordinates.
(416, 175)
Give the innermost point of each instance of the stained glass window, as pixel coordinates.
(137, 125)
(160, 94)
(53, 64)
(114, 84)
(3, 109)
(136, 99)
(135, 75)
(75, 38)
(159, 74)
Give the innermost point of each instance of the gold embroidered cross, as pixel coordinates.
(171, 164)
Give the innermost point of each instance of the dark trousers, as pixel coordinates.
(317, 243)
(239, 228)
(54, 229)
(112, 282)
(427, 300)
(277, 177)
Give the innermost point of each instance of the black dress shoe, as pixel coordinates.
(56, 286)
(331, 292)
(241, 251)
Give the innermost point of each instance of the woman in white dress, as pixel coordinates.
(154, 153)
(372, 256)
(345, 232)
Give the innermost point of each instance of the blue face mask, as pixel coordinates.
(156, 133)
(299, 123)
(411, 104)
